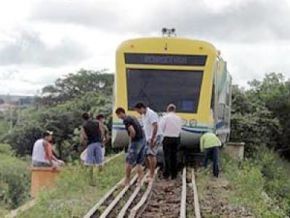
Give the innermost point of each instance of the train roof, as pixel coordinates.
(202, 43)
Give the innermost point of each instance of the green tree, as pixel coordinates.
(252, 122)
(260, 115)
(63, 116)
(74, 85)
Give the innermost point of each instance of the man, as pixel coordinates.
(171, 125)
(105, 133)
(152, 134)
(42, 154)
(210, 143)
(136, 149)
(91, 135)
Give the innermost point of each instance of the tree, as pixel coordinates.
(252, 122)
(74, 85)
(274, 91)
(260, 115)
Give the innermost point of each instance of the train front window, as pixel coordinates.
(158, 88)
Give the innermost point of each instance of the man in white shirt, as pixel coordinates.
(42, 154)
(153, 135)
(170, 125)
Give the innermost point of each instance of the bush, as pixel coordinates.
(23, 137)
(15, 181)
(276, 174)
(5, 149)
(4, 126)
(260, 183)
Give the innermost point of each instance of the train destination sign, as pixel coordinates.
(165, 59)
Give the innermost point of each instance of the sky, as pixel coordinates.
(42, 40)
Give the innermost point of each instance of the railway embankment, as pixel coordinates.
(256, 187)
(73, 196)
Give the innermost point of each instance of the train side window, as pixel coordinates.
(212, 97)
(228, 99)
(228, 96)
(221, 111)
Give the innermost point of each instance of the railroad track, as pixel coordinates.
(159, 198)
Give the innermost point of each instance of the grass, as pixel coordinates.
(249, 188)
(4, 127)
(14, 180)
(73, 196)
(260, 185)
(3, 211)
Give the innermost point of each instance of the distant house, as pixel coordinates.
(5, 107)
(12, 101)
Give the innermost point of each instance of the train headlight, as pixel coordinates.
(192, 122)
(184, 122)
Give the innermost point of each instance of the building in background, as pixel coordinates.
(8, 102)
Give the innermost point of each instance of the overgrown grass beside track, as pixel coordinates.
(73, 196)
(259, 185)
(14, 180)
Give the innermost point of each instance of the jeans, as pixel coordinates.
(212, 153)
(170, 146)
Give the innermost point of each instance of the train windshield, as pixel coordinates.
(158, 88)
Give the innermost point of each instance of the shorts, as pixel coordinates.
(40, 164)
(153, 151)
(46, 164)
(94, 154)
(135, 153)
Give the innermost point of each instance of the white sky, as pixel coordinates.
(42, 40)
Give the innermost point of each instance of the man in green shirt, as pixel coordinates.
(210, 143)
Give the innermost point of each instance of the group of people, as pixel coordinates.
(94, 136)
(144, 142)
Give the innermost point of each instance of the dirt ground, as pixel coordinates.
(214, 194)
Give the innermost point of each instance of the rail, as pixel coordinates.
(133, 201)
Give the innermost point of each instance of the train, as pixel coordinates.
(188, 73)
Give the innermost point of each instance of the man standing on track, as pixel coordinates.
(210, 143)
(171, 125)
(153, 135)
(136, 147)
(91, 135)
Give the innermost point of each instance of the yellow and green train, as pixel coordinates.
(188, 73)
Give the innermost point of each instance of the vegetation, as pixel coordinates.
(260, 117)
(260, 185)
(60, 109)
(14, 179)
(4, 124)
(73, 196)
